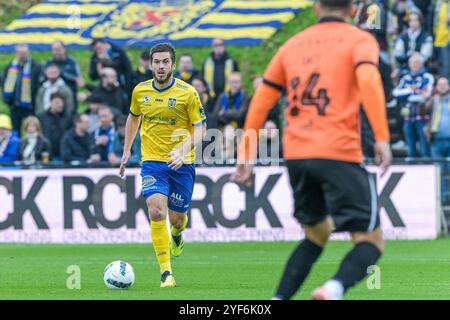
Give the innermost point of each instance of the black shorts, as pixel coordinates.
(341, 190)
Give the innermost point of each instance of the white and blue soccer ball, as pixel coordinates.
(118, 275)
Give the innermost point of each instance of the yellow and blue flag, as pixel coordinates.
(142, 23)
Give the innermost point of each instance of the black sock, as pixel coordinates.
(297, 268)
(354, 266)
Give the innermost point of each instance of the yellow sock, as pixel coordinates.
(160, 238)
(177, 231)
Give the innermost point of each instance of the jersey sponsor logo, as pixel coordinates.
(148, 182)
(172, 103)
(160, 120)
(159, 100)
(146, 99)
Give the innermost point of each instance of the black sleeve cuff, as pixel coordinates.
(273, 85)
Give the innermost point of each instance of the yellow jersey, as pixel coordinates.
(168, 117)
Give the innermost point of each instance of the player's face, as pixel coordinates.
(162, 66)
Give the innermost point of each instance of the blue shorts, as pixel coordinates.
(176, 185)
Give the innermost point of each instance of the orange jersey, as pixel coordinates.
(318, 67)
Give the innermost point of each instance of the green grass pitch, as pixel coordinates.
(409, 270)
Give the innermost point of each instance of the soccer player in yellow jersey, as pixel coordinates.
(173, 123)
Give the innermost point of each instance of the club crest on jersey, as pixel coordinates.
(172, 103)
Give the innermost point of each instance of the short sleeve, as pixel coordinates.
(275, 74)
(195, 109)
(135, 108)
(366, 50)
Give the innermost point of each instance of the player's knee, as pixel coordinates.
(176, 220)
(375, 237)
(156, 210)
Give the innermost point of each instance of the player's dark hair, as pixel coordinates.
(163, 47)
(336, 4)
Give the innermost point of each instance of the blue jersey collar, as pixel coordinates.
(163, 89)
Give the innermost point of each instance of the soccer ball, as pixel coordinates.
(118, 275)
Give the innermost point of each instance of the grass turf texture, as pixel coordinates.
(409, 270)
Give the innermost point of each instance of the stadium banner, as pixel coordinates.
(142, 23)
(97, 206)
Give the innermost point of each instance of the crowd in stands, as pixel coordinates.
(46, 124)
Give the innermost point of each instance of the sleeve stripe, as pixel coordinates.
(366, 62)
(136, 115)
(200, 122)
(273, 85)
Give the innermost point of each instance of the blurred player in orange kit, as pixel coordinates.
(328, 70)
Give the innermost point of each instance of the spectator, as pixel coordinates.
(274, 114)
(217, 68)
(111, 92)
(373, 17)
(441, 29)
(186, 70)
(107, 53)
(116, 148)
(230, 111)
(70, 69)
(270, 147)
(231, 106)
(440, 131)
(20, 85)
(401, 10)
(413, 90)
(202, 88)
(93, 104)
(34, 147)
(440, 120)
(77, 144)
(55, 121)
(414, 40)
(143, 72)
(54, 84)
(104, 135)
(9, 141)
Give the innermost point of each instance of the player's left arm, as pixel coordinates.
(370, 86)
(197, 118)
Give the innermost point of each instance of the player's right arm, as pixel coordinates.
(372, 94)
(131, 129)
